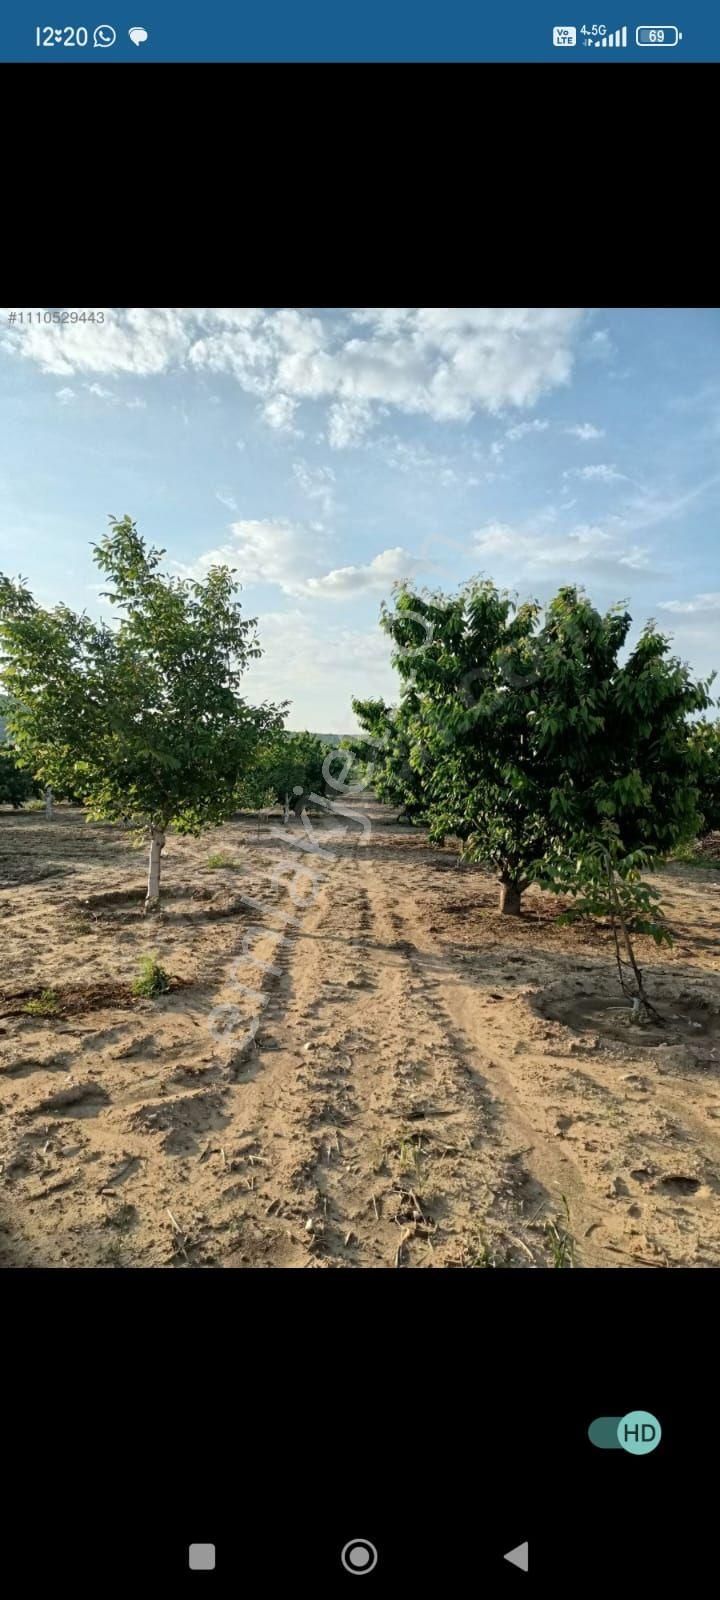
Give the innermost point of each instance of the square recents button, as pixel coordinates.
(201, 1558)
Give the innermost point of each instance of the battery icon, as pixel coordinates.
(661, 35)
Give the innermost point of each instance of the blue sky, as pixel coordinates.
(325, 454)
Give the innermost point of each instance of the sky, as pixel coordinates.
(327, 454)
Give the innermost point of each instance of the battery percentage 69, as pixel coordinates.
(660, 34)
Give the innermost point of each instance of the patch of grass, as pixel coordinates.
(559, 1239)
(691, 855)
(152, 979)
(217, 859)
(45, 1005)
(410, 1157)
(686, 853)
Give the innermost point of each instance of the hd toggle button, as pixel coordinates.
(639, 1432)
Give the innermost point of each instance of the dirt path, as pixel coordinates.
(429, 1084)
(369, 1106)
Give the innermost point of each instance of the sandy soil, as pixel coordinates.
(429, 1085)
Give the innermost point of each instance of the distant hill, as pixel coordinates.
(327, 738)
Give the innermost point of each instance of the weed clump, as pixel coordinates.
(44, 1005)
(152, 979)
(559, 1239)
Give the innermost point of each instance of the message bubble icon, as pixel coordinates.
(138, 35)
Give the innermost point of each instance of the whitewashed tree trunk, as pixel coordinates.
(49, 803)
(157, 841)
(286, 812)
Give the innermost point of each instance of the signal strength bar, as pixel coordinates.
(618, 38)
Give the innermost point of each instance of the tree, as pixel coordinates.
(528, 730)
(287, 771)
(16, 784)
(142, 719)
(705, 747)
(386, 753)
(606, 882)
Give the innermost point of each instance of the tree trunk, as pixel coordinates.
(642, 1011)
(510, 899)
(49, 803)
(157, 842)
(286, 812)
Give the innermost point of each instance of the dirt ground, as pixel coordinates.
(429, 1085)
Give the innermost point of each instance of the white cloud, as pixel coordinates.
(226, 499)
(584, 545)
(139, 341)
(65, 396)
(373, 577)
(585, 431)
(637, 557)
(519, 431)
(319, 670)
(285, 553)
(276, 552)
(409, 456)
(522, 428)
(701, 605)
(412, 457)
(115, 399)
(348, 423)
(445, 363)
(279, 413)
(498, 537)
(601, 472)
(317, 483)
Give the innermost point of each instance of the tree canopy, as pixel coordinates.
(705, 746)
(16, 784)
(526, 728)
(288, 769)
(142, 717)
(386, 753)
